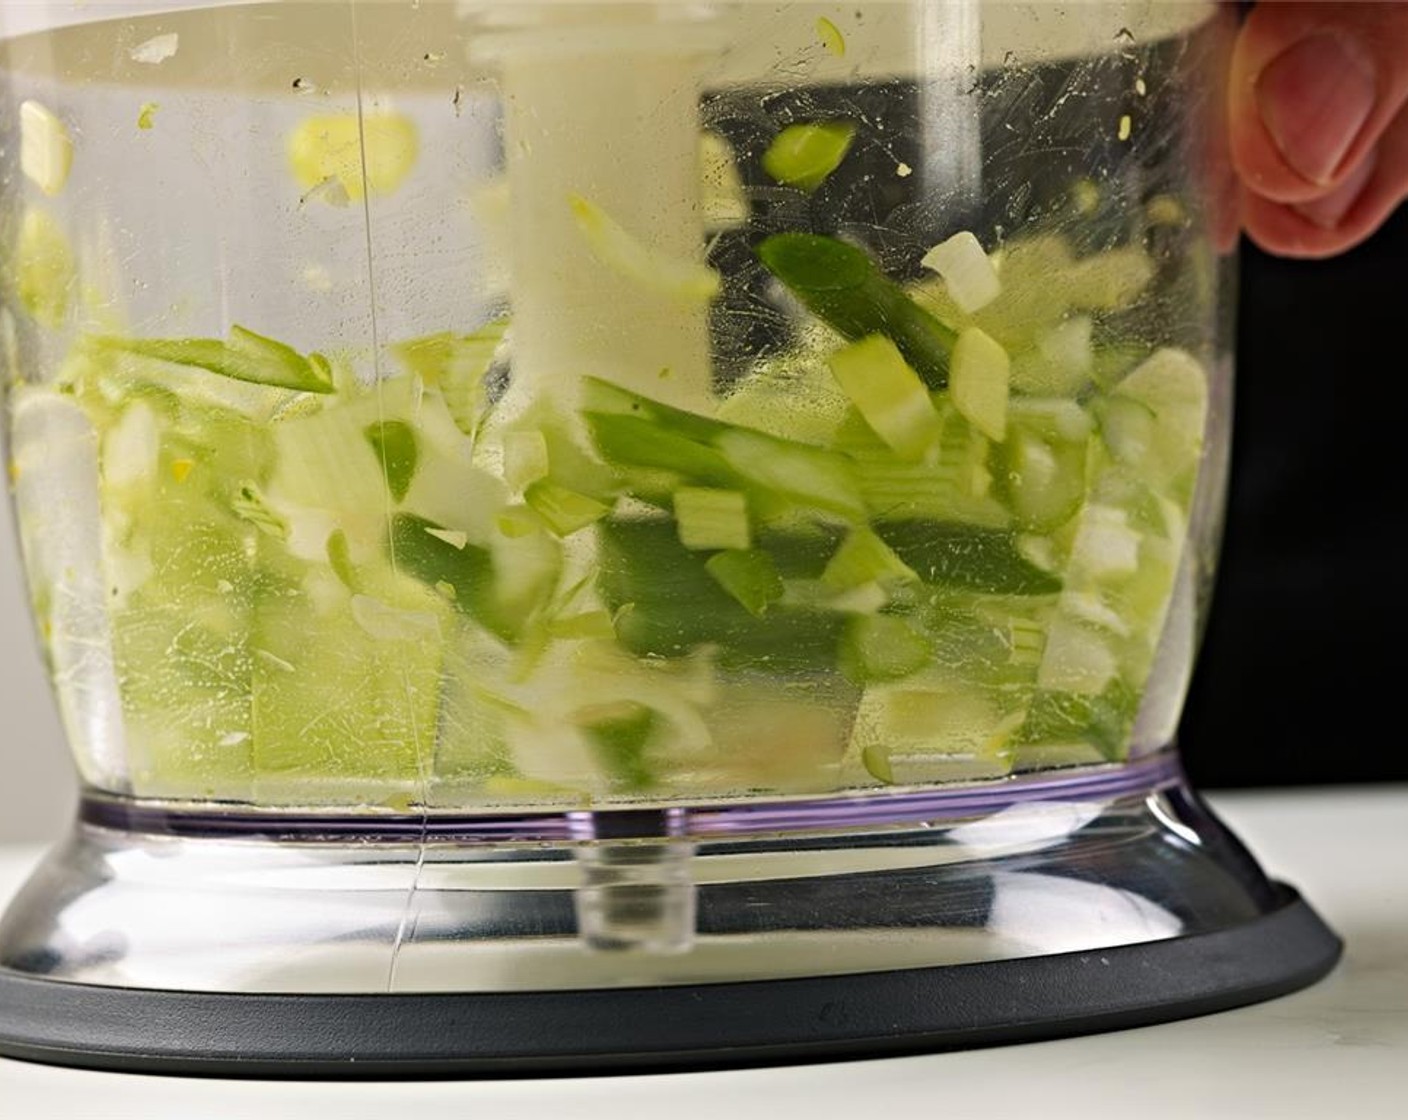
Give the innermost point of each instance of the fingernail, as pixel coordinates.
(1327, 211)
(1314, 99)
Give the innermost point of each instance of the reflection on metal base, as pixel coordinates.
(590, 949)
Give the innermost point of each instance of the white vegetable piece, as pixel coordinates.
(46, 149)
(157, 49)
(1075, 660)
(970, 276)
(1105, 545)
(979, 377)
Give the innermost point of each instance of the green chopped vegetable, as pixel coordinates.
(864, 558)
(805, 155)
(621, 734)
(709, 519)
(45, 271)
(842, 286)
(749, 576)
(566, 511)
(882, 648)
(980, 382)
(831, 37)
(246, 356)
(888, 394)
(394, 442)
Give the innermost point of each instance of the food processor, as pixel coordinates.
(580, 535)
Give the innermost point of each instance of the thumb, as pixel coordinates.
(1318, 128)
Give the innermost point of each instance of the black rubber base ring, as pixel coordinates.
(688, 1027)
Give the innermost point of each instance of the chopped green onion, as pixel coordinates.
(881, 647)
(980, 382)
(749, 576)
(966, 270)
(394, 442)
(710, 519)
(621, 734)
(889, 394)
(250, 505)
(245, 357)
(585, 626)
(864, 558)
(831, 38)
(805, 155)
(809, 476)
(842, 286)
(564, 510)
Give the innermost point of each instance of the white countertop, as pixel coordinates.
(1337, 1049)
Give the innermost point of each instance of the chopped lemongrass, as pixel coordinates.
(709, 519)
(157, 49)
(46, 149)
(967, 272)
(681, 279)
(246, 356)
(831, 38)
(979, 382)
(44, 268)
(147, 116)
(525, 458)
(354, 153)
(889, 394)
(564, 510)
(750, 576)
(864, 558)
(805, 155)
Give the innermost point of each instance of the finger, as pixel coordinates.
(1342, 217)
(1313, 87)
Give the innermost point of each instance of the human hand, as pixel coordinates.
(1319, 122)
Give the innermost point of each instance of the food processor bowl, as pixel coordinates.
(575, 535)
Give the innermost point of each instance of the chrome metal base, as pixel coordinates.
(990, 921)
